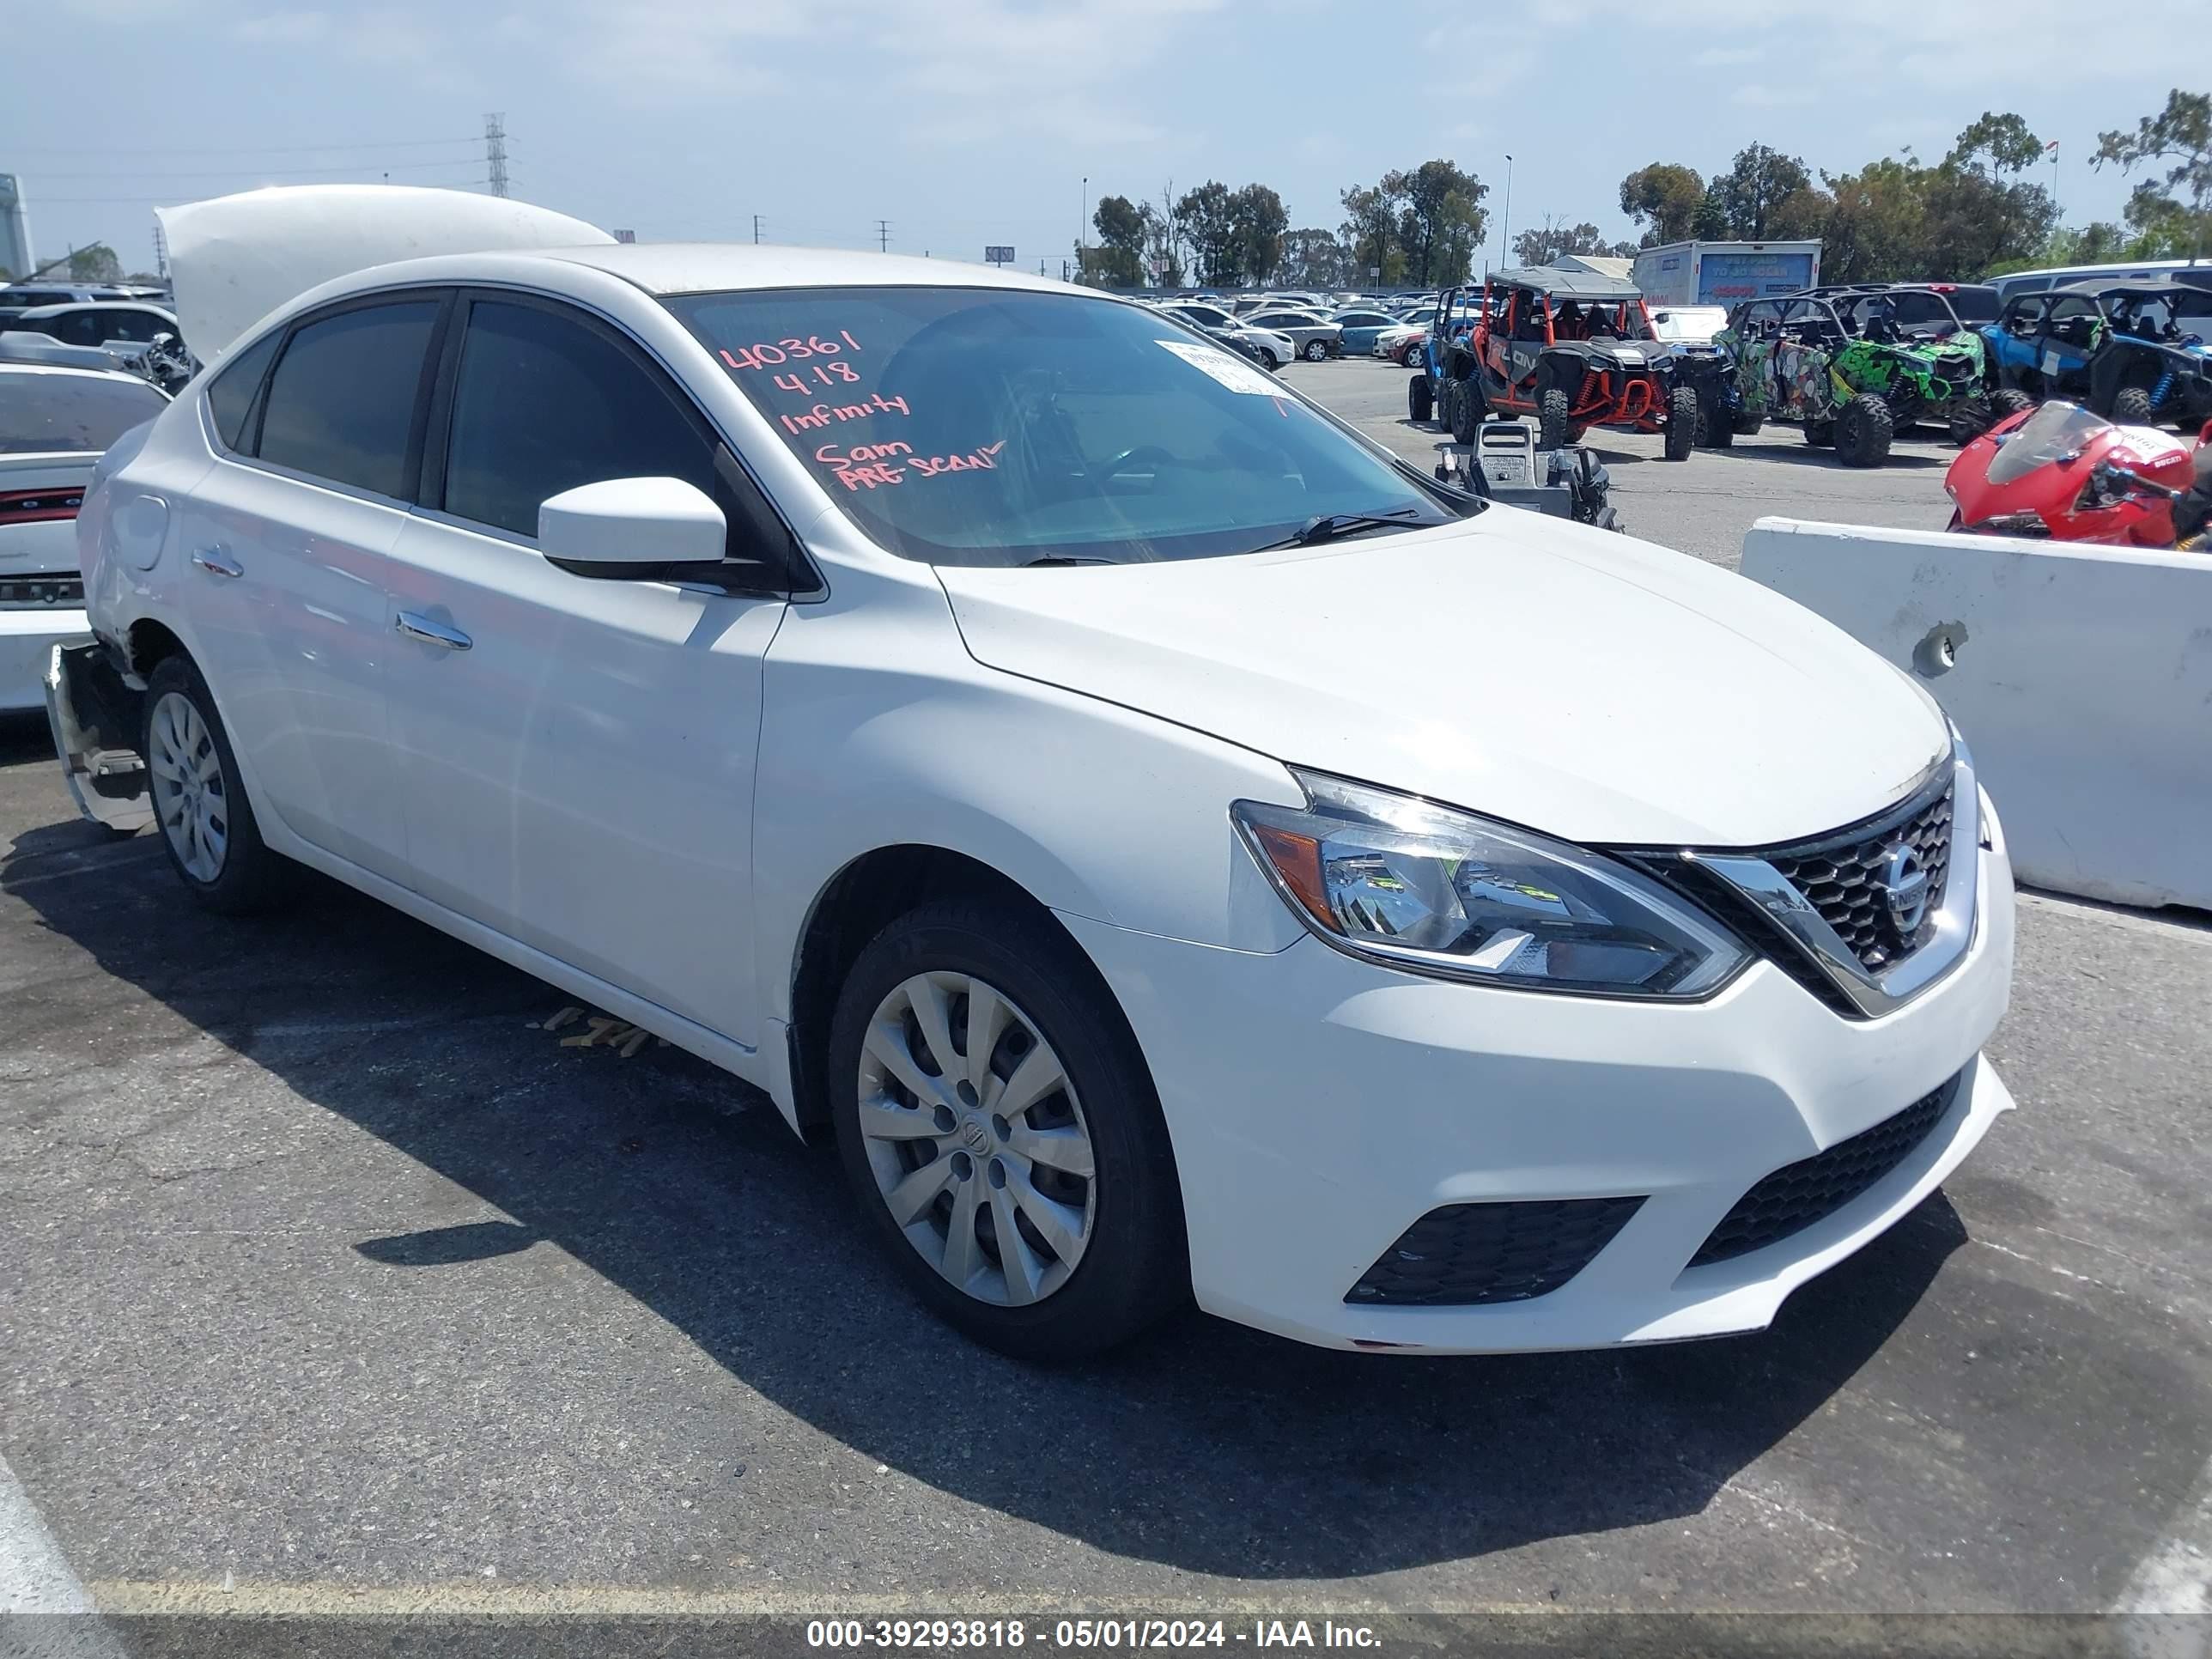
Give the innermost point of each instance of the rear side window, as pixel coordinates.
(341, 405)
(543, 403)
(230, 394)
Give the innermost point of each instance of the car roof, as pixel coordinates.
(65, 306)
(704, 267)
(1570, 284)
(9, 365)
(2105, 287)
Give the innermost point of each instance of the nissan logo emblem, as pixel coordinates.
(1904, 889)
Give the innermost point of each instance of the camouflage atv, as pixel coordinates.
(1841, 367)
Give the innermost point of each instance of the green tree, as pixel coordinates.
(1664, 197)
(1209, 215)
(1371, 234)
(2177, 206)
(1260, 222)
(1554, 241)
(1977, 210)
(1756, 183)
(95, 263)
(1441, 219)
(1120, 227)
(1315, 259)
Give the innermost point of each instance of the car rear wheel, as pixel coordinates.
(2131, 406)
(1552, 423)
(1681, 422)
(207, 824)
(1864, 431)
(996, 1121)
(2006, 403)
(1420, 398)
(1315, 351)
(1467, 411)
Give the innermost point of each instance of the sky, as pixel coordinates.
(963, 123)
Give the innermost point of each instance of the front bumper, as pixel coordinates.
(28, 639)
(1319, 1105)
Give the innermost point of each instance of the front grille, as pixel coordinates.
(37, 592)
(1843, 879)
(1467, 1255)
(1799, 1194)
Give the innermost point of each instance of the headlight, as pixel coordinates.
(1436, 891)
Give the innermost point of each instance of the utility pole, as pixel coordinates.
(883, 236)
(756, 230)
(1505, 225)
(160, 252)
(495, 151)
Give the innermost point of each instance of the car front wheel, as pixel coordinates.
(996, 1121)
(207, 824)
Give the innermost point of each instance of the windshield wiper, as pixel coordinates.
(1327, 527)
(1063, 559)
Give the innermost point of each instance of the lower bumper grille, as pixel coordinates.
(1467, 1255)
(1812, 1189)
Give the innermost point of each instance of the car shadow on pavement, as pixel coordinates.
(1206, 1446)
(1809, 455)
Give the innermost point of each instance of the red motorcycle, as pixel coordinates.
(2062, 471)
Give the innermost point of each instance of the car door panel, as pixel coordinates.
(576, 753)
(580, 775)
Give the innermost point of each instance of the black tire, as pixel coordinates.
(1420, 398)
(1134, 1268)
(1682, 422)
(1552, 423)
(2131, 406)
(2008, 403)
(248, 877)
(1577, 433)
(1747, 424)
(1968, 422)
(1820, 433)
(1714, 429)
(1864, 431)
(1467, 411)
(1314, 350)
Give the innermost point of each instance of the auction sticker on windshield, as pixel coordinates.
(1236, 375)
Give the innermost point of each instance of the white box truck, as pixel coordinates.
(1725, 273)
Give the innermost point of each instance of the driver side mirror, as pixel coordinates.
(631, 527)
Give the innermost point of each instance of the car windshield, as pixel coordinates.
(2054, 431)
(53, 414)
(997, 426)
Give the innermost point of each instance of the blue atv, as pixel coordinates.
(2134, 351)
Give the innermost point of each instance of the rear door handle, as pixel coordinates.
(217, 563)
(416, 626)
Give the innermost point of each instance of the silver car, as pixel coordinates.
(1315, 337)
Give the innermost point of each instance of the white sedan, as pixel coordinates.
(1173, 847)
(54, 423)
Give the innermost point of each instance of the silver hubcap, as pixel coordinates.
(978, 1144)
(188, 792)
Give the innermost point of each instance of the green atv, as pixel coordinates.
(1839, 363)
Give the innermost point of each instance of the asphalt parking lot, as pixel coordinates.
(332, 1281)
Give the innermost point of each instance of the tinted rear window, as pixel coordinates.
(230, 395)
(44, 413)
(341, 403)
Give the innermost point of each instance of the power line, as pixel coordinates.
(234, 149)
(233, 172)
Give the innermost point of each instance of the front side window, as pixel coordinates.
(43, 414)
(543, 403)
(991, 427)
(341, 403)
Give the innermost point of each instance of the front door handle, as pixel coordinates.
(217, 563)
(416, 626)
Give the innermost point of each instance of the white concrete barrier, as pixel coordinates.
(2081, 677)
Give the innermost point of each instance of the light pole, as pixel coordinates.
(1505, 224)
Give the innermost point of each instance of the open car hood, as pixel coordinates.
(236, 259)
(1560, 678)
